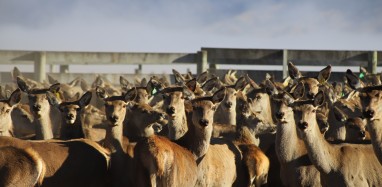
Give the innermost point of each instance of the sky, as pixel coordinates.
(186, 26)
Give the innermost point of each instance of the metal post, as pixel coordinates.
(202, 62)
(39, 66)
(373, 61)
(285, 63)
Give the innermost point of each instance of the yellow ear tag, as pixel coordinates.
(57, 94)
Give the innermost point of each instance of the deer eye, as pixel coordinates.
(8, 110)
(258, 97)
(314, 110)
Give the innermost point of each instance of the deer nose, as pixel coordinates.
(36, 107)
(279, 115)
(170, 110)
(228, 104)
(368, 113)
(203, 122)
(114, 118)
(303, 125)
(362, 134)
(70, 116)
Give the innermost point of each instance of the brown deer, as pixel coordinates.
(341, 164)
(372, 111)
(83, 160)
(20, 167)
(226, 111)
(46, 118)
(296, 169)
(71, 127)
(115, 109)
(221, 156)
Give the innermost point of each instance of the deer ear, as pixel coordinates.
(52, 99)
(85, 99)
(187, 93)
(353, 80)
(52, 80)
(299, 91)
(218, 96)
(202, 77)
(178, 77)
(287, 98)
(124, 82)
(338, 114)
(191, 84)
(270, 88)
(55, 88)
(101, 92)
(210, 84)
(144, 82)
(240, 84)
(15, 97)
(294, 73)
(251, 82)
(319, 99)
(324, 74)
(22, 85)
(131, 94)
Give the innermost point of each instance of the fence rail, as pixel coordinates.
(206, 58)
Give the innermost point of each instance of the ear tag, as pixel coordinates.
(154, 91)
(342, 94)
(361, 75)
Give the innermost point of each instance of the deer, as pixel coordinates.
(81, 159)
(71, 127)
(16, 120)
(340, 164)
(46, 126)
(296, 169)
(20, 167)
(226, 111)
(197, 139)
(122, 150)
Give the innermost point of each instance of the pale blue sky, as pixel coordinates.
(186, 26)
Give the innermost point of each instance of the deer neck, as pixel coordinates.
(289, 145)
(225, 116)
(43, 126)
(178, 127)
(113, 138)
(267, 113)
(375, 131)
(245, 136)
(197, 141)
(322, 154)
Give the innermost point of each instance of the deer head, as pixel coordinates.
(6, 107)
(70, 111)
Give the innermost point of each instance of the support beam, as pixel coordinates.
(373, 62)
(39, 66)
(285, 63)
(202, 62)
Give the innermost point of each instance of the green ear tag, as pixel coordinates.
(361, 75)
(154, 91)
(342, 94)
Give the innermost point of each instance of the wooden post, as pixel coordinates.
(373, 62)
(39, 66)
(64, 68)
(202, 62)
(139, 69)
(285, 63)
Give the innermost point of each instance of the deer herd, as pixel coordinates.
(198, 131)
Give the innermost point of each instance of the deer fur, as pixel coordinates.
(20, 167)
(339, 165)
